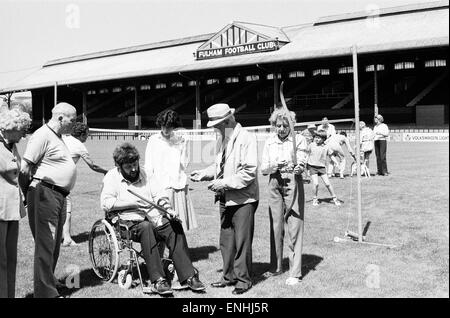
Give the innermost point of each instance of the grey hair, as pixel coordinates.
(283, 114)
(14, 119)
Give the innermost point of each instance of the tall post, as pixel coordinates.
(375, 89)
(9, 100)
(55, 94)
(43, 108)
(357, 141)
(136, 121)
(276, 96)
(198, 115)
(84, 108)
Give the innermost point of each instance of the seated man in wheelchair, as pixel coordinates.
(147, 225)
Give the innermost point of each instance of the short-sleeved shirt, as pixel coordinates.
(76, 148)
(115, 187)
(318, 154)
(51, 157)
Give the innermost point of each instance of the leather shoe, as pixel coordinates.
(195, 284)
(221, 284)
(238, 291)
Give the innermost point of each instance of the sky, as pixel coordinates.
(33, 32)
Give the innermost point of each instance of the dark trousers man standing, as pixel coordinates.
(236, 237)
(46, 214)
(380, 152)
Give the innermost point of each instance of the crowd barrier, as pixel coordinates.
(262, 132)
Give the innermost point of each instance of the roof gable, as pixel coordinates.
(242, 38)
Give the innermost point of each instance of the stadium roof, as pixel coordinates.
(398, 28)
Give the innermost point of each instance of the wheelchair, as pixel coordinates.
(113, 253)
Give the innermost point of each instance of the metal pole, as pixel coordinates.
(84, 108)
(43, 108)
(136, 122)
(56, 94)
(358, 158)
(198, 115)
(276, 97)
(375, 88)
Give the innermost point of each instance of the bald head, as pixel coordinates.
(63, 118)
(63, 109)
(362, 124)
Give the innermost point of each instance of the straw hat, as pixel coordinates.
(218, 113)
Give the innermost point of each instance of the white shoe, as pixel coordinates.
(315, 202)
(336, 201)
(292, 281)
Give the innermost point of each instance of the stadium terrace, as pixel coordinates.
(402, 68)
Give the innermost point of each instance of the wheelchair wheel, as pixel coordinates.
(104, 250)
(124, 279)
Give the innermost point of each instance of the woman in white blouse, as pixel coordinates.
(13, 126)
(381, 133)
(166, 160)
(277, 162)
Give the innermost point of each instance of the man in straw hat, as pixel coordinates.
(234, 181)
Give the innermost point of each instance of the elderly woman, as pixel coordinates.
(13, 126)
(277, 162)
(381, 133)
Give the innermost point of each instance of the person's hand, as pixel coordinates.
(216, 185)
(197, 175)
(281, 164)
(141, 204)
(298, 169)
(173, 215)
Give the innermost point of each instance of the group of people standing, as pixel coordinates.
(46, 174)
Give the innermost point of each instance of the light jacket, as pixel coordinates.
(241, 168)
(11, 198)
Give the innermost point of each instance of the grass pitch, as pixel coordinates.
(408, 209)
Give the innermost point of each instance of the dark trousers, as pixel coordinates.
(9, 233)
(281, 194)
(380, 153)
(236, 237)
(46, 214)
(172, 234)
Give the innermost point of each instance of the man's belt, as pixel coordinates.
(54, 187)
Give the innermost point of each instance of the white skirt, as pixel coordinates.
(181, 202)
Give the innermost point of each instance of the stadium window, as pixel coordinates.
(321, 71)
(232, 79)
(160, 85)
(145, 87)
(296, 74)
(103, 91)
(130, 88)
(192, 83)
(403, 65)
(251, 78)
(212, 81)
(370, 68)
(435, 63)
(91, 92)
(271, 76)
(177, 84)
(117, 89)
(345, 70)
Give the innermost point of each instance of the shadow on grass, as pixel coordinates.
(87, 279)
(81, 237)
(309, 263)
(202, 252)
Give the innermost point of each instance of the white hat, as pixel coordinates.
(217, 113)
(311, 126)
